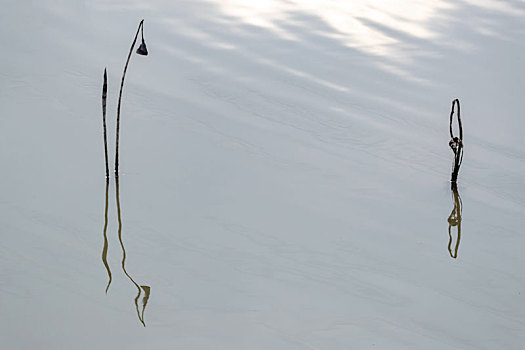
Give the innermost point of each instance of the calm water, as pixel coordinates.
(284, 176)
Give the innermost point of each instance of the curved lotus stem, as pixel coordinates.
(141, 51)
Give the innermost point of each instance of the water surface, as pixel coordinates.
(284, 176)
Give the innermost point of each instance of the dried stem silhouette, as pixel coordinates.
(141, 51)
(104, 98)
(456, 143)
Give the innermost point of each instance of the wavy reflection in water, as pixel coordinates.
(105, 249)
(454, 220)
(140, 289)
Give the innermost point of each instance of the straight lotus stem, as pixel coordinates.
(104, 98)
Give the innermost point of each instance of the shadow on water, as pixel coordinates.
(142, 290)
(454, 220)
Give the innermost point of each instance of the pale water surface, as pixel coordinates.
(284, 176)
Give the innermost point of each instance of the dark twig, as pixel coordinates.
(104, 97)
(141, 51)
(456, 143)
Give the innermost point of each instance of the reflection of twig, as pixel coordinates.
(139, 291)
(105, 249)
(454, 220)
(456, 143)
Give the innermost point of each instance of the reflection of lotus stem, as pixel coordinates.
(104, 97)
(456, 143)
(139, 291)
(105, 249)
(142, 52)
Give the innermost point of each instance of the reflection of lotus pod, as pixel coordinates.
(146, 294)
(142, 50)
